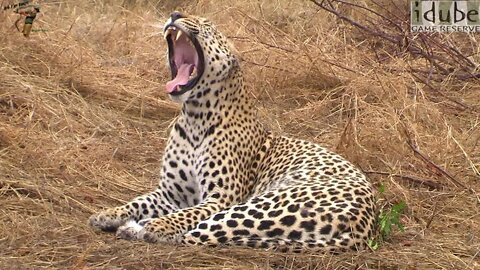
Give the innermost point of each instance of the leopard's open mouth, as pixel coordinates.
(186, 60)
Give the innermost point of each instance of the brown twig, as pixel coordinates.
(432, 88)
(434, 214)
(265, 66)
(431, 164)
(413, 179)
(438, 169)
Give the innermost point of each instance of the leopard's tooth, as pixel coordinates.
(193, 74)
(179, 34)
(167, 32)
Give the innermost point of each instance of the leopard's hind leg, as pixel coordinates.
(294, 217)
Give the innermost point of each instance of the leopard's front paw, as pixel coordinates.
(131, 230)
(108, 220)
(143, 230)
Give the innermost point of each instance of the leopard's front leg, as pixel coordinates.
(150, 205)
(177, 189)
(222, 184)
(171, 228)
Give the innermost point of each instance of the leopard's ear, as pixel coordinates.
(234, 66)
(234, 58)
(233, 50)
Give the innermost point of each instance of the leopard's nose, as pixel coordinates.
(176, 15)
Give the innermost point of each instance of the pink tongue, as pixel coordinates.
(183, 73)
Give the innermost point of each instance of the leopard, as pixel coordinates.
(225, 180)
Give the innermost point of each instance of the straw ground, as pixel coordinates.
(84, 119)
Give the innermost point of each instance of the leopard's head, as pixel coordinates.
(199, 56)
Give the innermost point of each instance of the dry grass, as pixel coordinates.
(83, 120)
